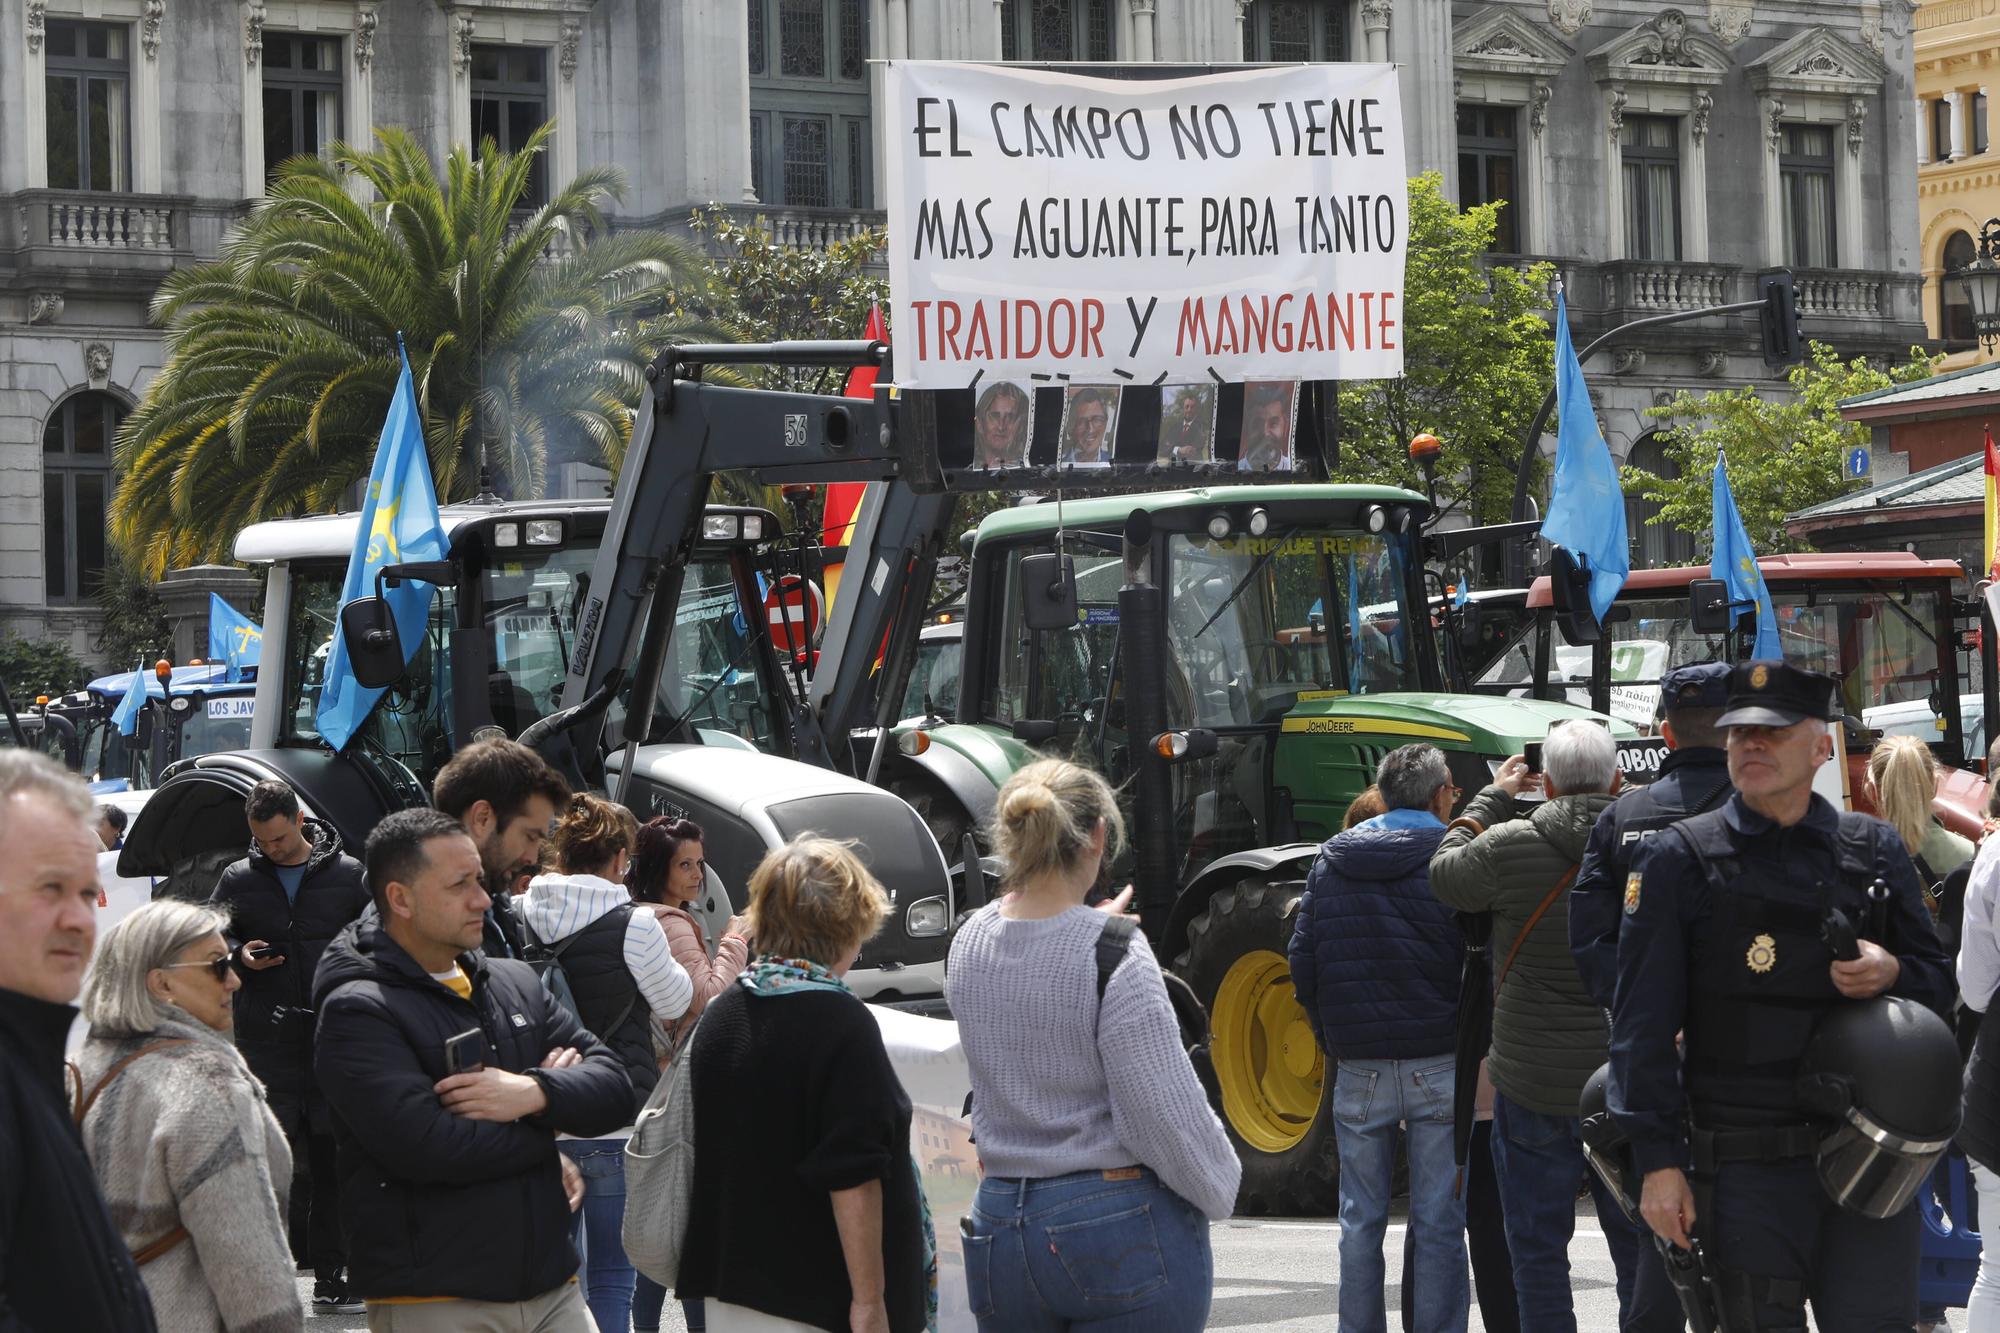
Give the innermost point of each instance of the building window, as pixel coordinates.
(301, 95)
(1805, 176)
(1055, 30)
(1488, 159)
(1654, 545)
(1650, 149)
(1940, 130)
(76, 488)
(510, 101)
(89, 91)
(1978, 135)
(1954, 307)
(1282, 31)
(810, 144)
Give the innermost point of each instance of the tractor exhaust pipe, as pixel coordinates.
(1142, 627)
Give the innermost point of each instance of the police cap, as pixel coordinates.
(1705, 685)
(1772, 694)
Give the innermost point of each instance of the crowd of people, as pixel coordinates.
(415, 1072)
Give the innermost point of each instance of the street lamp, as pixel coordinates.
(1981, 282)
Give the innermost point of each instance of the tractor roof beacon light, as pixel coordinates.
(1220, 526)
(1980, 281)
(163, 669)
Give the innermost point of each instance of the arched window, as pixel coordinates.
(1654, 545)
(809, 135)
(76, 488)
(1289, 30)
(1954, 307)
(1055, 30)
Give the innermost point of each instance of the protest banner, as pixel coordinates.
(1234, 226)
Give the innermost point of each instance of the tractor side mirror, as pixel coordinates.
(1708, 606)
(1034, 731)
(1048, 591)
(1569, 589)
(374, 649)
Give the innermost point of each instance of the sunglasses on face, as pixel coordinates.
(217, 967)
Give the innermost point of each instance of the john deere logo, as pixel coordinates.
(1760, 676)
(1763, 955)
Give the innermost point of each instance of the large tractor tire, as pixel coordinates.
(1276, 1089)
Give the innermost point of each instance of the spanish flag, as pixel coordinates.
(843, 498)
(1992, 506)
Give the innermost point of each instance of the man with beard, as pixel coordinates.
(505, 796)
(1267, 429)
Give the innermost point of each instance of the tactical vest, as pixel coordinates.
(1760, 980)
(1645, 811)
(604, 989)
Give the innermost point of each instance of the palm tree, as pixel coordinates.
(522, 333)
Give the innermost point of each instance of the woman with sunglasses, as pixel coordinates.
(190, 1159)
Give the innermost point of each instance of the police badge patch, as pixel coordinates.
(1631, 893)
(1763, 954)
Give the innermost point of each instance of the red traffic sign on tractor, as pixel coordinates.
(796, 609)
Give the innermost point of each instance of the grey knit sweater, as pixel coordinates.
(1058, 1087)
(183, 1136)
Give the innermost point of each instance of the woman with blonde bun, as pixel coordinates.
(1104, 1163)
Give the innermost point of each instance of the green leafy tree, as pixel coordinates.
(135, 620)
(522, 330)
(1477, 358)
(1785, 454)
(37, 666)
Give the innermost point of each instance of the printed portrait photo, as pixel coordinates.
(1187, 424)
(1003, 421)
(1090, 422)
(1268, 413)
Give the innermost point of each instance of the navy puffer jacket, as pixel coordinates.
(1375, 956)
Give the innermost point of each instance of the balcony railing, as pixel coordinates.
(112, 232)
(1842, 294)
(808, 228)
(1942, 14)
(1656, 287)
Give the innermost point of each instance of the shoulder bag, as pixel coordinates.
(659, 1170)
(80, 1107)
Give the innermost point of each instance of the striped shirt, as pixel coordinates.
(557, 906)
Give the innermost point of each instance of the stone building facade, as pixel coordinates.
(1958, 158)
(1661, 156)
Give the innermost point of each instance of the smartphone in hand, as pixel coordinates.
(465, 1053)
(1532, 752)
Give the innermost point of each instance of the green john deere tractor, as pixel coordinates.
(1238, 659)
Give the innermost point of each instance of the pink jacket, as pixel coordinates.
(709, 976)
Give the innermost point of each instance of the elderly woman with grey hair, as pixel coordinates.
(190, 1160)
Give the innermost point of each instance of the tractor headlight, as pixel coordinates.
(926, 919)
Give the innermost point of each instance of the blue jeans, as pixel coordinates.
(1370, 1097)
(607, 1273)
(1107, 1251)
(1538, 1162)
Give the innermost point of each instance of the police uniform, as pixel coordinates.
(1722, 941)
(1690, 781)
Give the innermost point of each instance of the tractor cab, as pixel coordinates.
(1882, 624)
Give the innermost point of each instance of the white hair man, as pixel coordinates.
(62, 1262)
(1549, 1036)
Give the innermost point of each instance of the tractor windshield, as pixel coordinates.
(1251, 626)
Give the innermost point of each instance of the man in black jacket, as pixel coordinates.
(63, 1264)
(286, 901)
(450, 1189)
(506, 796)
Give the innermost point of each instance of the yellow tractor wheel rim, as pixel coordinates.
(1270, 1068)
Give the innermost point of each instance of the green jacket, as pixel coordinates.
(1548, 1038)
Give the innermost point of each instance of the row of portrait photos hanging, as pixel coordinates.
(1017, 424)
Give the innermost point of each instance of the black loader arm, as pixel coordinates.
(687, 432)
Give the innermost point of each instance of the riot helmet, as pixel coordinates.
(1604, 1144)
(1885, 1073)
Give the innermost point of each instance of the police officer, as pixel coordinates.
(1724, 940)
(1693, 777)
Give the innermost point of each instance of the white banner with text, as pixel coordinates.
(1247, 225)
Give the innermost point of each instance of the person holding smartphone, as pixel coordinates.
(443, 1160)
(286, 899)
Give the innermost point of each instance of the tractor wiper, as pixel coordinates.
(1277, 545)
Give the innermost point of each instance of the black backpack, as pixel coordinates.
(547, 960)
(1112, 942)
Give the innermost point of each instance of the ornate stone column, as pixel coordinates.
(1375, 28)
